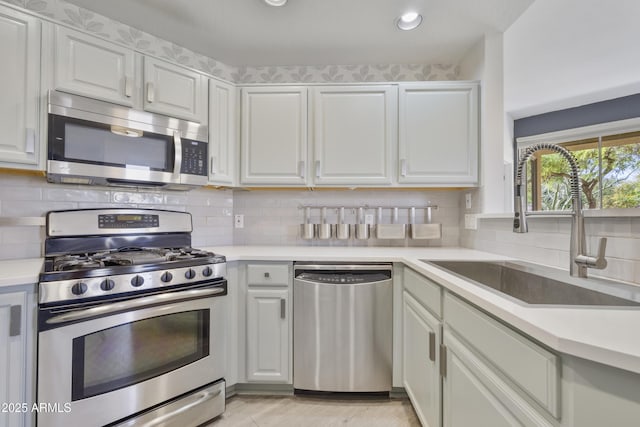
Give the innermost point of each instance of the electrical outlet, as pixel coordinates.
(471, 221)
(238, 221)
(368, 219)
(467, 200)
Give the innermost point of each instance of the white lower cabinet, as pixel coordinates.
(268, 324)
(473, 393)
(16, 362)
(420, 363)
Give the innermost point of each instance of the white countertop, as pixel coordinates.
(602, 334)
(606, 335)
(20, 271)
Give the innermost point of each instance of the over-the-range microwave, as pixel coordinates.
(96, 142)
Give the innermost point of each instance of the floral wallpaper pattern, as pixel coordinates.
(60, 10)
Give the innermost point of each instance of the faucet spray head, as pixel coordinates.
(519, 208)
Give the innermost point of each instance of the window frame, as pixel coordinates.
(601, 130)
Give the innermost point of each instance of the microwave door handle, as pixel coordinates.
(177, 164)
(138, 303)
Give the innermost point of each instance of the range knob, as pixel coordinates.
(137, 281)
(107, 285)
(207, 272)
(79, 288)
(190, 273)
(166, 277)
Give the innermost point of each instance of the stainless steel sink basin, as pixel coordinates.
(534, 284)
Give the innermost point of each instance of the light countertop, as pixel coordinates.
(606, 335)
(602, 334)
(20, 271)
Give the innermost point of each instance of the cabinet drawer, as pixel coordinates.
(531, 367)
(424, 290)
(268, 274)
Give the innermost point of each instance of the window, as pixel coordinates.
(609, 171)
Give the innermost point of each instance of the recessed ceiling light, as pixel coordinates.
(409, 21)
(275, 2)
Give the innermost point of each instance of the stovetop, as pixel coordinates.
(110, 253)
(110, 274)
(125, 257)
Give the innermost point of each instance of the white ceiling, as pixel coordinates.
(316, 32)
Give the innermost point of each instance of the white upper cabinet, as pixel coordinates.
(274, 136)
(222, 133)
(90, 66)
(438, 133)
(93, 67)
(354, 133)
(174, 91)
(19, 89)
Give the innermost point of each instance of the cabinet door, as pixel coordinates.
(174, 91)
(354, 132)
(274, 136)
(438, 134)
(90, 66)
(268, 335)
(13, 359)
(421, 340)
(474, 395)
(19, 89)
(222, 133)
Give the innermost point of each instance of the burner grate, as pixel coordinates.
(125, 257)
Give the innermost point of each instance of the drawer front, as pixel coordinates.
(531, 367)
(424, 290)
(268, 274)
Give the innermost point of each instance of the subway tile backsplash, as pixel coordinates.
(31, 196)
(270, 217)
(274, 217)
(547, 242)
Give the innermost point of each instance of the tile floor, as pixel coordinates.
(298, 411)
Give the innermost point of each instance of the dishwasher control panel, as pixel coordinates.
(342, 277)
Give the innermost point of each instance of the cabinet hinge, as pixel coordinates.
(443, 361)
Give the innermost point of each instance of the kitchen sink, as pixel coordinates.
(535, 284)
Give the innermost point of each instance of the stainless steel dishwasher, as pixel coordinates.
(342, 327)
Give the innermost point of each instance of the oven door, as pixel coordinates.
(107, 367)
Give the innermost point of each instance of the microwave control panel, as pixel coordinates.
(194, 157)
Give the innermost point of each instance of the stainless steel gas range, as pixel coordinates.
(131, 321)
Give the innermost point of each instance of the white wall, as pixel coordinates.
(564, 53)
(484, 62)
(561, 54)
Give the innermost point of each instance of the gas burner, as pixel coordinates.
(76, 262)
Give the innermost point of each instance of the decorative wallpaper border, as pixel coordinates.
(345, 73)
(104, 27)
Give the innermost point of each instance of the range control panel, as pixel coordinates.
(128, 221)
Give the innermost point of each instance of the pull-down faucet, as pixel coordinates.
(579, 261)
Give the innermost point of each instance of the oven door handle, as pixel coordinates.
(134, 304)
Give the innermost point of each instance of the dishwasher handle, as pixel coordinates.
(343, 267)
